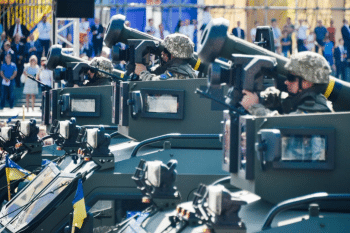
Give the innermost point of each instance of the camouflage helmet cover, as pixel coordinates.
(102, 63)
(310, 66)
(179, 45)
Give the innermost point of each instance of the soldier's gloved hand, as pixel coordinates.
(249, 99)
(271, 98)
(139, 68)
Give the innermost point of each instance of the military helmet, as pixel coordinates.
(179, 45)
(102, 63)
(310, 66)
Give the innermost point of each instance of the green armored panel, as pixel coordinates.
(89, 105)
(150, 109)
(310, 154)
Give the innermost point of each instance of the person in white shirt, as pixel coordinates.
(302, 35)
(44, 29)
(206, 17)
(276, 34)
(161, 33)
(151, 28)
(310, 42)
(187, 29)
(253, 31)
(45, 75)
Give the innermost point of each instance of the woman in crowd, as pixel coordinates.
(45, 75)
(30, 86)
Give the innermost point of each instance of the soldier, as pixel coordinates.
(309, 72)
(98, 78)
(178, 51)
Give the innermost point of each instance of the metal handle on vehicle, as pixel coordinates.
(316, 197)
(173, 136)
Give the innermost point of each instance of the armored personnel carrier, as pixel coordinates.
(155, 121)
(285, 186)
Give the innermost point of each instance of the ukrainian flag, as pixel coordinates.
(15, 172)
(79, 207)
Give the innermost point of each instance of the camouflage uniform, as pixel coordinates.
(311, 67)
(99, 79)
(314, 68)
(181, 48)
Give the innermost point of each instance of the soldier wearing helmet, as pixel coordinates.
(309, 72)
(97, 78)
(176, 55)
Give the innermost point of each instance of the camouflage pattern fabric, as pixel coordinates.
(180, 46)
(102, 63)
(176, 69)
(167, 75)
(310, 66)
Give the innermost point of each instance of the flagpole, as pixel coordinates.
(8, 184)
(23, 112)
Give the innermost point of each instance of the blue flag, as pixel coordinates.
(79, 207)
(15, 172)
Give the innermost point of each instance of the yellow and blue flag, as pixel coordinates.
(79, 207)
(15, 172)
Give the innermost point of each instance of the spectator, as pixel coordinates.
(45, 75)
(70, 39)
(195, 33)
(32, 48)
(161, 33)
(2, 41)
(106, 52)
(289, 27)
(30, 86)
(345, 31)
(253, 31)
(63, 33)
(187, 29)
(86, 47)
(8, 74)
(206, 17)
(331, 31)
(328, 50)
(310, 41)
(238, 31)
(20, 29)
(286, 43)
(18, 48)
(321, 32)
(84, 28)
(97, 36)
(276, 33)
(7, 50)
(121, 66)
(178, 25)
(150, 27)
(340, 57)
(44, 29)
(302, 36)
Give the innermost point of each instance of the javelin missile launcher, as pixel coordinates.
(298, 162)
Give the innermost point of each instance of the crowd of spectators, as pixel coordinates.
(19, 45)
(321, 39)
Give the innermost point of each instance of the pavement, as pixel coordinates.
(17, 114)
(7, 113)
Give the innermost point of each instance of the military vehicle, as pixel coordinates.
(272, 159)
(156, 121)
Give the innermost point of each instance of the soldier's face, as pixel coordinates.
(292, 86)
(165, 57)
